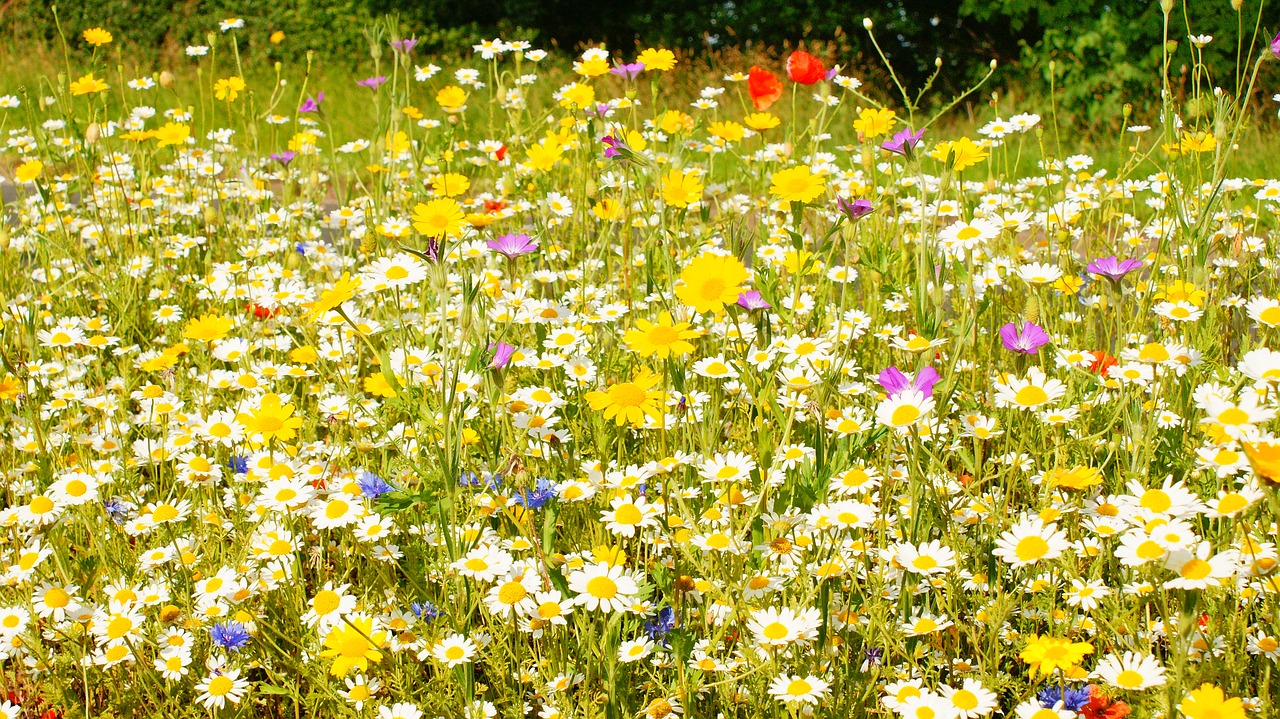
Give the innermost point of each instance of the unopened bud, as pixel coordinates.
(1166, 6)
(92, 133)
(1235, 4)
(937, 62)
(1031, 311)
(866, 22)
(993, 63)
(166, 79)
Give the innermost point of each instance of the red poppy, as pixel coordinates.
(1100, 707)
(805, 68)
(261, 312)
(492, 206)
(501, 154)
(763, 87)
(1101, 362)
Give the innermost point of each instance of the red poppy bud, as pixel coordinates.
(805, 68)
(763, 87)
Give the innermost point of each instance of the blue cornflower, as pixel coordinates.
(1075, 697)
(426, 611)
(239, 465)
(229, 635)
(538, 497)
(664, 620)
(373, 486)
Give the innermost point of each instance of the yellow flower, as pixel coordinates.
(28, 171)
(963, 153)
(629, 402)
(1068, 284)
(439, 217)
(873, 122)
(353, 646)
(1180, 290)
(209, 328)
(1045, 654)
(10, 387)
(657, 59)
(343, 290)
(1199, 142)
(1264, 457)
(277, 37)
(303, 141)
(591, 68)
(680, 188)
(728, 131)
(271, 420)
(411, 112)
(398, 143)
(1209, 702)
(759, 121)
(96, 36)
(228, 88)
(544, 155)
(451, 98)
(674, 121)
(376, 384)
(1076, 478)
(450, 184)
(710, 282)
(663, 339)
(577, 95)
(173, 133)
(797, 184)
(87, 85)
(607, 209)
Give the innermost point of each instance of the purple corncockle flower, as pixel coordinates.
(310, 105)
(628, 70)
(832, 72)
(1275, 46)
(1027, 339)
(611, 146)
(502, 353)
(895, 381)
(752, 300)
(404, 46)
(513, 245)
(284, 158)
(903, 142)
(1112, 268)
(855, 210)
(601, 110)
(433, 250)
(373, 83)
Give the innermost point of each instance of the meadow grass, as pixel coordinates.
(528, 385)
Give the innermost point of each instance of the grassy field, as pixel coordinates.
(599, 386)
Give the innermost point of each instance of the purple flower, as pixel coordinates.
(832, 72)
(611, 146)
(1112, 268)
(433, 250)
(1027, 339)
(752, 300)
(602, 110)
(1275, 46)
(404, 46)
(284, 158)
(855, 210)
(513, 245)
(373, 83)
(502, 353)
(895, 381)
(310, 105)
(903, 143)
(628, 70)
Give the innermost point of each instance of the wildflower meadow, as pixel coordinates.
(609, 385)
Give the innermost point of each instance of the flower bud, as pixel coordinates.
(937, 62)
(92, 133)
(993, 63)
(166, 79)
(866, 22)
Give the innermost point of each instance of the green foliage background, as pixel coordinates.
(1106, 51)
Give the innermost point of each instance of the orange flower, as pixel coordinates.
(763, 87)
(805, 68)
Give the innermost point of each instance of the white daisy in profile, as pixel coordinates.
(1131, 671)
